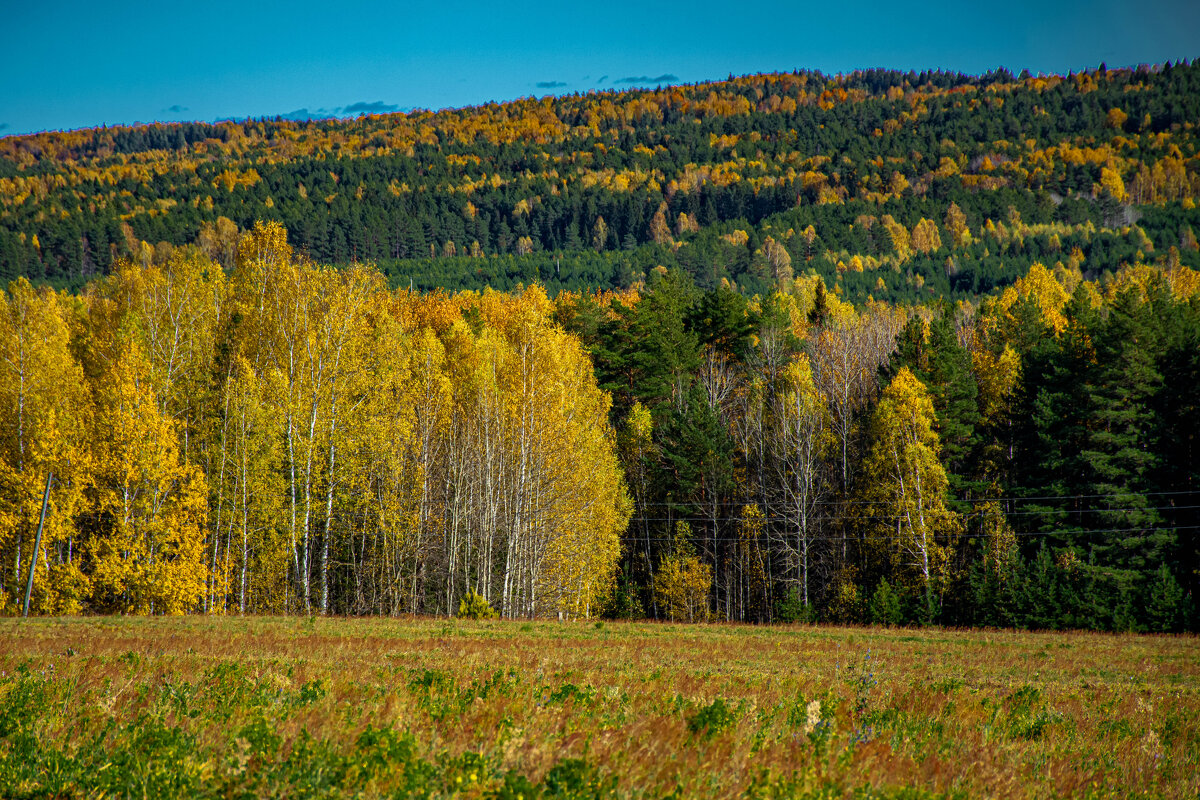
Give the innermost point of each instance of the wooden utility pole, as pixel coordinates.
(37, 544)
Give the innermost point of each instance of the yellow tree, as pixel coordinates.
(305, 326)
(562, 481)
(178, 307)
(898, 236)
(956, 226)
(802, 439)
(421, 435)
(250, 569)
(778, 261)
(591, 507)
(906, 486)
(599, 234)
(44, 412)
(150, 557)
(925, 236)
(174, 307)
(753, 591)
(683, 582)
(1041, 287)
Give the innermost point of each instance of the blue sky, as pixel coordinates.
(67, 65)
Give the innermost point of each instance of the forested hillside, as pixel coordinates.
(897, 186)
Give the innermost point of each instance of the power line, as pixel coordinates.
(878, 517)
(825, 538)
(1009, 499)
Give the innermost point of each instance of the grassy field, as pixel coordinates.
(214, 707)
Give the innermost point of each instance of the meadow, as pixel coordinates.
(326, 707)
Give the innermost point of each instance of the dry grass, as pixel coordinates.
(279, 707)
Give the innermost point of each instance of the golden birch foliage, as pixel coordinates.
(636, 447)
(898, 237)
(1040, 286)
(636, 437)
(595, 508)
(177, 306)
(568, 484)
(419, 425)
(925, 236)
(752, 559)
(956, 226)
(906, 485)
(219, 241)
(803, 408)
(999, 540)
(44, 412)
(778, 261)
(660, 231)
(803, 437)
(838, 311)
(683, 582)
(149, 559)
(1111, 182)
(1183, 281)
(997, 375)
(248, 506)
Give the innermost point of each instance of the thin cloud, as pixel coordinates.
(377, 107)
(303, 115)
(549, 84)
(354, 109)
(177, 109)
(640, 79)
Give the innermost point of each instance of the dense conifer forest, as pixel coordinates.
(886, 347)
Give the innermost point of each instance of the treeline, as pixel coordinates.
(534, 182)
(1029, 461)
(901, 252)
(291, 438)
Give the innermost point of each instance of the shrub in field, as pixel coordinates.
(884, 608)
(474, 606)
(712, 719)
(792, 608)
(1166, 606)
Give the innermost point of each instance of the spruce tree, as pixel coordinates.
(1116, 451)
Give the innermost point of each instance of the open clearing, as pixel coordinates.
(300, 707)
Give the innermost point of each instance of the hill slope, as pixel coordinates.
(886, 183)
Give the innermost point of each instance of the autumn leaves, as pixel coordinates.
(292, 438)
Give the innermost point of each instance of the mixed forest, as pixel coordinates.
(886, 347)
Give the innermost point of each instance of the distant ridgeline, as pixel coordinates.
(898, 186)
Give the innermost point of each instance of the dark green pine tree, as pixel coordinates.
(722, 319)
(955, 401)
(1048, 468)
(1116, 450)
(1176, 439)
(910, 351)
(1165, 603)
(663, 353)
(644, 352)
(696, 470)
